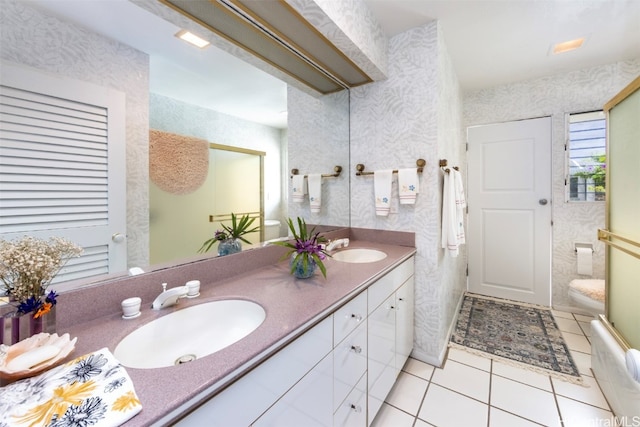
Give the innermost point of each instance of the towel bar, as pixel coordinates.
(360, 168)
(337, 170)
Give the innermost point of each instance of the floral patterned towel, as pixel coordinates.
(92, 390)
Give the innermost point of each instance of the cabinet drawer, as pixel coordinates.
(243, 401)
(386, 285)
(349, 363)
(307, 404)
(349, 317)
(353, 411)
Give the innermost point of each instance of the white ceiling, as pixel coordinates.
(494, 42)
(491, 42)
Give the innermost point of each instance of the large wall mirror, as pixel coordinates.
(202, 93)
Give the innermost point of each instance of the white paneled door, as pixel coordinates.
(509, 192)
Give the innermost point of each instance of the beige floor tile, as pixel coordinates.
(583, 363)
(590, 393)
(418, 368)
(563, 314)
(577, 342)
(583, 318)
(390, 416)
(577, 414)
(586, 328)
(464, 379)
(500, 418)
(568, 325)
(525, 401)
(407, 393)
(446, 408)
(521, 375)
(467, 358)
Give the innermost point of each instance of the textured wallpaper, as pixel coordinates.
(416, 113)
(555, 96)
(35, 39)
(174, 116)
(318, 140)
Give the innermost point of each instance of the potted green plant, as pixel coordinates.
(230, 237)
(306, 250)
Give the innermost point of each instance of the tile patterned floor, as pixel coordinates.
(474, 391)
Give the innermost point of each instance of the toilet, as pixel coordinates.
(588, 294)
(271, 229)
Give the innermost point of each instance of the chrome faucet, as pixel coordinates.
(169, 297)
(337, 243)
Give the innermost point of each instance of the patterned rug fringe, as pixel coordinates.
(569, 378)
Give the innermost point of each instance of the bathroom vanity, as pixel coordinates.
(327, 353)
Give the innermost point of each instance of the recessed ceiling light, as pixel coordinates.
(567, 46)
(192, 39)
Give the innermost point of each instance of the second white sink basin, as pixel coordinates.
(189, 334)
(359, 255)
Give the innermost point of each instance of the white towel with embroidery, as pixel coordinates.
(94, 388)
(315, 191)
(449, 216)
(408, 186)
(298, 188)
(461, 204)
(382, 190)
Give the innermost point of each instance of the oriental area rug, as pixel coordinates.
(515, 333)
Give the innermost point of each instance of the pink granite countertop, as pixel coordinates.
(292, 306)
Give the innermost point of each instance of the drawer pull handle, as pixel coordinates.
(357, 317)
(392, 307)
(356, 349)
(356, 408)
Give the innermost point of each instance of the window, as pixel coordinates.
(587, 156)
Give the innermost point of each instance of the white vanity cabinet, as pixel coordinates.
(390, 336)
(336, 374)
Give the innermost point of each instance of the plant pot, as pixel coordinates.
(301, 270)
(229, 246)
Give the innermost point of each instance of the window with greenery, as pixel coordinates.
(587, 156)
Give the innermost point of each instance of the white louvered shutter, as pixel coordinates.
(62, 166)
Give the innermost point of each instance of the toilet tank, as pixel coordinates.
(271, 229)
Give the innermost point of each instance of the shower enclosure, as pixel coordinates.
(619, 329)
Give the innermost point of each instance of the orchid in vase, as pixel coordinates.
(306, 250)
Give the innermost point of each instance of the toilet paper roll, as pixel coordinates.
(585, 261)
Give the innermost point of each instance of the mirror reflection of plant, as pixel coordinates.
(307, 246)
(237, 229)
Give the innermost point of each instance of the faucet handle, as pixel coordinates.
(164, 287)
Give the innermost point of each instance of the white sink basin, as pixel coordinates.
(359, 255)
(189, 334)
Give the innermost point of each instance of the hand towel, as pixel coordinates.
(94, 388)
(382, 190)
(315, 192)
(461, 204)
(449, 218)
(408, 186)
(298, 188)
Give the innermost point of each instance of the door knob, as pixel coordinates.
(118, 237)
(542, 201)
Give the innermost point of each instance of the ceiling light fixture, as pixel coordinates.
(567, 46)
(192, 39)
